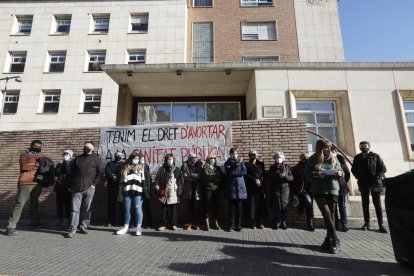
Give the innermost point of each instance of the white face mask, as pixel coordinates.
(170, 162)
(212, 162)
(142, 161)
(279, 160)
(66, 157)
(135, 161)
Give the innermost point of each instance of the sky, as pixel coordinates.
(377, 30)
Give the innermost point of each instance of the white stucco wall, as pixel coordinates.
(164, 43)
(318, 30)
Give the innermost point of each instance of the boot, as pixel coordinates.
(335, 246)
(310, 226)
(123, 230)
(382, 229)
(238, 227)
(207, 224)
(253, 224)
(326, 245)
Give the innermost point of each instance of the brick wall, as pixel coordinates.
(267, 137)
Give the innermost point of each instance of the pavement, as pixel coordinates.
(216, 252)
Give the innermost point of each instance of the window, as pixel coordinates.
(24, 24)
(188, 112)
(139, 23)
(203, 42)
(95, 59)
(92, 101)
(17, 62)
(320, 118)
(203, 3)
(256, 3)
(409, 118)
(101, 23)
(10, 103)
(51, 101)
(57, 61)
(261, 59)
(136, 56)
(258, 31)
(62, 23)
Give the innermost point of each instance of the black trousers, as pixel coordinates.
(63, 204)
(146, 208)
(235, 212)
(113, 204)
(212, 202)
(194, 213)
(169, 214)
(376, 200)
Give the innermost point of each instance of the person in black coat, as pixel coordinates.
(369, 169)
(256, 202)
(280, 176)
(343, 191)
(147, 195)
(112, 171)
(62, 183)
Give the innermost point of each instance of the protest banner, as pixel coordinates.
(154, 141)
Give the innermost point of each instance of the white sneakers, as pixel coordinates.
(125, 230)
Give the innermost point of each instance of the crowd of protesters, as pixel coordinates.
(251, 191)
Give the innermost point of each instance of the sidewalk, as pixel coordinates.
(250, 252)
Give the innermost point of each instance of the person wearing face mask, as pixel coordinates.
(301, 187)
(85, 171)
(112, 174)
(133, 184)
(369, 169)
(236, 191)
(168, 186)
(255, 205)
(192, 191)
(62, 183)
(280, 176)
(28, 188)
(325, 171)
(212, 179)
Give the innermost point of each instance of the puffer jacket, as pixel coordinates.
(28, 167)
(212, 177)
(192, 180)
(235, 185)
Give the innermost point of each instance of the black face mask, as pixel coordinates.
(252, 157)
(364, 150)
(86, 150)
(118, 158)
(35, 150)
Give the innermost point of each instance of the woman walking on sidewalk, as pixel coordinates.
(133, 179)
(324, 170)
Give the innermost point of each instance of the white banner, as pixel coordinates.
(156, 140)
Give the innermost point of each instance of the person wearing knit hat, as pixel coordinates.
(62, 183)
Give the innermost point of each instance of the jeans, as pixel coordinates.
(23, 194)
(137, 203)
(341, 207)
(282, 199)
(81, 207)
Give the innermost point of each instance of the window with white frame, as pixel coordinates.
(136, 56)
(96, 58)
(57, 61)
(62, 23)
(203, 43)
(202, 3)
(320, 118)
(101, 23)
(139, 23)
(51, 100)
(92, 101)
(409, 118)
(24, 24)
(188, 111)
(17, 62)
(258, 30)
(260, 59)
(10, 102)
(256, 3)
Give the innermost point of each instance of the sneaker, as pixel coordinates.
(344, 228)
(138, 232)
(238, 228)
(11, 232)
(196, 227)
(161, 228)
(276, 226)
(382, 229)
(174, 227)
(310, 228)
(71, 233)
(335, 246)
(365, 227)
(122, 231)
(283, 226)
(83, 230)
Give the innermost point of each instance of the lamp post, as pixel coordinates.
(15, 78)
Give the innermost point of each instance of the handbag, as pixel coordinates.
(307, 200)
(162, 191)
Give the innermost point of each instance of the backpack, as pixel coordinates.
(45, 173)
